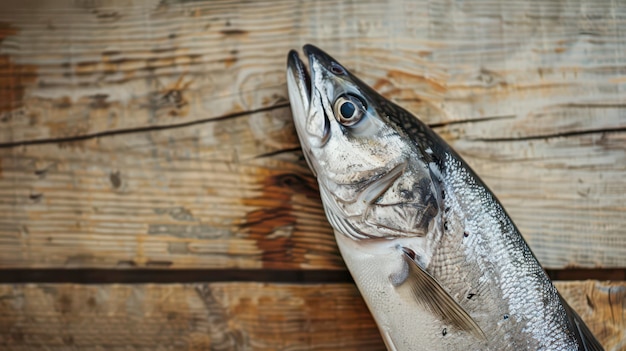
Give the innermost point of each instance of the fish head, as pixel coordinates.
(361, 157)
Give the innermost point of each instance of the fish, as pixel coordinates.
(438, 261)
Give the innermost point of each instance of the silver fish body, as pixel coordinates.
(438, 261)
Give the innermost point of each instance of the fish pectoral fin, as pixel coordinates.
(585, 337)
(435, 298)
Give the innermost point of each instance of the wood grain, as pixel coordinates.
(229, 316)
(602, 306)
(232, 316)
(532, 95)
(175, 198)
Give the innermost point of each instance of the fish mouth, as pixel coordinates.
(306, 100)
(298, 84)
(309, 115)
(299, 78)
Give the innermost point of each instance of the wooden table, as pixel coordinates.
(153, 195)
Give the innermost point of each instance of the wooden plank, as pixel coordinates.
(229, 316)
(233, 316)
(184, 198)
(531, 95)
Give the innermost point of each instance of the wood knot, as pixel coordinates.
(115, 179)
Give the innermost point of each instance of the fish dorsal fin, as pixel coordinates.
(436, 299)
(585, 337)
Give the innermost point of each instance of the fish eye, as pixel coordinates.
(349, 110)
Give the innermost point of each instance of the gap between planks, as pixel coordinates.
(168, 276)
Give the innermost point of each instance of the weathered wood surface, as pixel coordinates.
(602, 306)
(531, 94)
(232, 316)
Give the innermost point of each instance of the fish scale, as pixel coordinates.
(435, 256)
(497, 248)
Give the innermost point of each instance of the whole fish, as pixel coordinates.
(437, 259)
